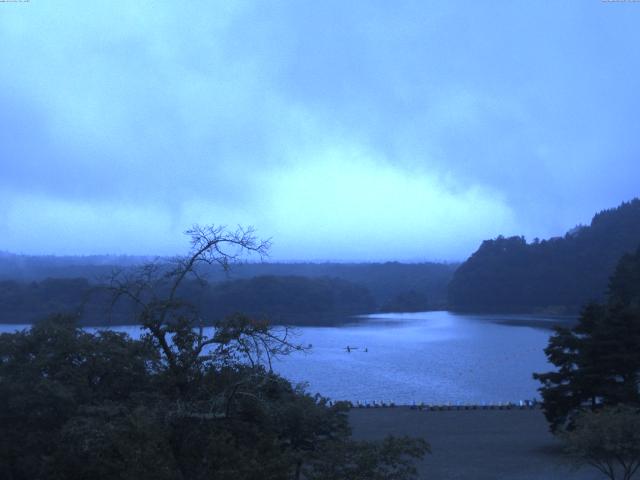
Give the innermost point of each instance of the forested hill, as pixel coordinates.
(303, 293)
(393, 286)
(283, 300)
(557, 275)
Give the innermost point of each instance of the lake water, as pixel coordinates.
(431, 357)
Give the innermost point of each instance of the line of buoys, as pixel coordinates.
(373, 404)
(520, 405)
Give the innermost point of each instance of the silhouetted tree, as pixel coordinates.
(598, 361)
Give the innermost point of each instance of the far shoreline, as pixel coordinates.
(518, 319)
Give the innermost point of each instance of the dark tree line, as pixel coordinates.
(564, 273)
(284, 300)
(386, 282)
(289, 299)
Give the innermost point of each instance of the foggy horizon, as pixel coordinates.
(248, 258)
(349, 133)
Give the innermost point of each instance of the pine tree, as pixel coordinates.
(598, 361)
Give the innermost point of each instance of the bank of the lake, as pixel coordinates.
(475, 444)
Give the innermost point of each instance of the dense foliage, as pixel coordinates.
(411, 301)
(176, 404)
(598, 360)
(560, 274)
(607, 439)
(385, 281)
(76, 405)
(286, 299)
(29, 302)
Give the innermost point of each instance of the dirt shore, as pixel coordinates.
(475, 444)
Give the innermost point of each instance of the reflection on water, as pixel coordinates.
(433, 357)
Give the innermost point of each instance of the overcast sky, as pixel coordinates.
(344, 130)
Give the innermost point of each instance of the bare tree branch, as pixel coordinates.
(177, 327)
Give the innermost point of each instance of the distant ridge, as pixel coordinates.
(558, 275)
(47, 284)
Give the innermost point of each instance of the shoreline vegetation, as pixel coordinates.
(544, 322)
(281, 298)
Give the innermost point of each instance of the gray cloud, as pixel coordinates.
(342, 130)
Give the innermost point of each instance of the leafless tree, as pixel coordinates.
(176, 326)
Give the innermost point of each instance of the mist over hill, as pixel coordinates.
(556, 275)
(29, 268)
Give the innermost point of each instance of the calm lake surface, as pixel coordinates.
(431, 357)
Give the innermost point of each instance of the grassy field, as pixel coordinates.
(476, 444)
